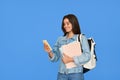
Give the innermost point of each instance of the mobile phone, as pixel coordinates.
(46, 42)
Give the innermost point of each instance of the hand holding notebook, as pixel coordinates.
(72, 49)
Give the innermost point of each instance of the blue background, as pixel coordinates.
(25, 23)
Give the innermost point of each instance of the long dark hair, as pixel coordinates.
(75, 24)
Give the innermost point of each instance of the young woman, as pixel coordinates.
(71, 30)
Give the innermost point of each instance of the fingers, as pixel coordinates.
(46, 47)
(64, 55)
(65, 59)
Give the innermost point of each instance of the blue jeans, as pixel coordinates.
(70, 76)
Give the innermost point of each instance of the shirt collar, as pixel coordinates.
(74, 37)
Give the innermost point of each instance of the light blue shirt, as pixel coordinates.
(79, 60)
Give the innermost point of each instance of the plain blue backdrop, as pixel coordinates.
(25, 23)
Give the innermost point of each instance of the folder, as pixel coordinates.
(72, 49)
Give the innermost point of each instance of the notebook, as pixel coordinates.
(72, 49)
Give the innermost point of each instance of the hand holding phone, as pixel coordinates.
(47, 47)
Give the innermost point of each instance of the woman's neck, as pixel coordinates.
(70, 35)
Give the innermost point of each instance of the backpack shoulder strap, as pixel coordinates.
(79, 39)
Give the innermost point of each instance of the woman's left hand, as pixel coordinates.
(67, 59)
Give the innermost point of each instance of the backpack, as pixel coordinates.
(92, 62)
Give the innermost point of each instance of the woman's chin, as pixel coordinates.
(68, 31)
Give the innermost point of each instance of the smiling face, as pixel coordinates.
(67, 25)
(70, 24)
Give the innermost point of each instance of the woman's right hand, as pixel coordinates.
(47, 48)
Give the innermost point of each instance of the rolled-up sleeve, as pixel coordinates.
(85, 56)
(56, 52)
